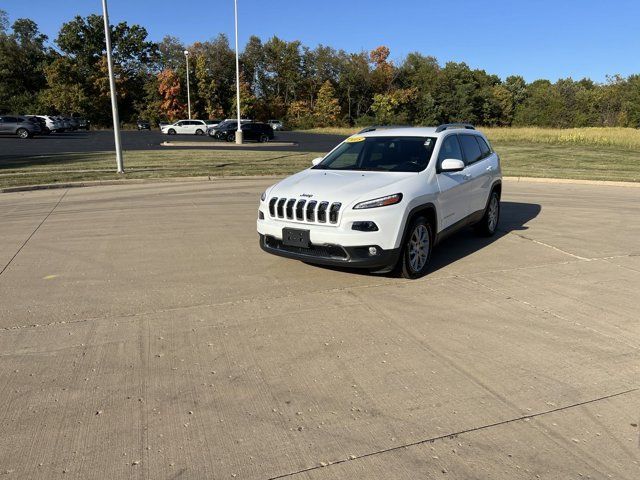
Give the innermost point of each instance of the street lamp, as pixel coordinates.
(112, 87)
(239, 130)
(186, 55)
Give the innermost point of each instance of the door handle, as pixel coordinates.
(489, 168)
(467, 176)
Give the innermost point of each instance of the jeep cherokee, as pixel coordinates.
(383, 198)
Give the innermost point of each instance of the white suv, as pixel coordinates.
(383, 198)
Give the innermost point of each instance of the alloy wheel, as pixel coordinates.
(419, 248)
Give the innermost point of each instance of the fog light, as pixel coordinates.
(373, 251)
(260, 215)
(365, 226)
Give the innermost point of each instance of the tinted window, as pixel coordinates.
(470, 148)
(10, 119)
(484, 148)
(450, 149)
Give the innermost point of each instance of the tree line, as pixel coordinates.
(281, 79)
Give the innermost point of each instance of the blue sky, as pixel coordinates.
(534, 38)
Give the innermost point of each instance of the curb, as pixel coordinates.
(134, 181)
(571, 181)
(229, 145)
(210, 178)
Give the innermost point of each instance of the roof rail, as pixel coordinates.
(446, 126)
(381, 127)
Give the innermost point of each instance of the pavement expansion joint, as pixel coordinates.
(548, 312)
(33, 233)
(458, 433)
(553, 247)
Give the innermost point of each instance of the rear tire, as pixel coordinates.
(416, 251)
(231, 137)
(263, 138)
(489, 224)
(23, 133)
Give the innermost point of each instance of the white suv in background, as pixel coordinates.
(383, 198)
(188, 127)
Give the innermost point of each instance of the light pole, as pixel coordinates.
(186, 55)
(239, 130)
(112, 87)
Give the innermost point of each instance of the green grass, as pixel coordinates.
(589, 154)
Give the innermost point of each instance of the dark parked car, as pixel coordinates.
(20, 126)
(75, 123)
(83, 124)
(143, 125)
(260, 132)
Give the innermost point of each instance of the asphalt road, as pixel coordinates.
(100, 141)
(143, 334)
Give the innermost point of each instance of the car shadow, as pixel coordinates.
(514, 216)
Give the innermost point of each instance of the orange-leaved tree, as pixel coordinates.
(169, 89)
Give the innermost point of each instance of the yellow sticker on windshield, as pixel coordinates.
(354, 139)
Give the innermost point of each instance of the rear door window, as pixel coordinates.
(470, 148)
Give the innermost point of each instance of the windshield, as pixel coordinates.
(382, 154)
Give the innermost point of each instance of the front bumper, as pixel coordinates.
(332, 255)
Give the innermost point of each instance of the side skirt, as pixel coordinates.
(475, 217)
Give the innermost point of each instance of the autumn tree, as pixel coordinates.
(327, 108)
(169, 90)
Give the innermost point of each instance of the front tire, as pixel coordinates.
(489, 224)
(23, 133)
(171, 131)
(416, 252)
(199, 132)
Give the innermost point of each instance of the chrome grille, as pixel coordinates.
(307, 211)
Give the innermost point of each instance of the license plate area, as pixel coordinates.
(294, 237)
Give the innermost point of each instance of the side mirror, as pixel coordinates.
(451, 165)
(316, 161)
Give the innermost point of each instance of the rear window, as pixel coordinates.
(470, 148)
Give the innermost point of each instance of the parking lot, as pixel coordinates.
(102, 140)
(144, 334)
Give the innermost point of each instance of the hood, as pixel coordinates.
(339, 186)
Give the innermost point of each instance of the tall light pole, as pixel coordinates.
(186, 55)
(239, 130)
(112, 87)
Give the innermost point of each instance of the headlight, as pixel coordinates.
(380, 202)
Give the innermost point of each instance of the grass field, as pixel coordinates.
(590, 154)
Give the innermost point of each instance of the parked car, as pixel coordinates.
(259, 132)
(393, 195)
(51, 122)
(20, 126)
(213, 131)
(74, 123)
(192, 127)
(66, 124)
(143, 125)
(84, 124)
(275, 124)
(44, 130)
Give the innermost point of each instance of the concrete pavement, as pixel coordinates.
(143, 334)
